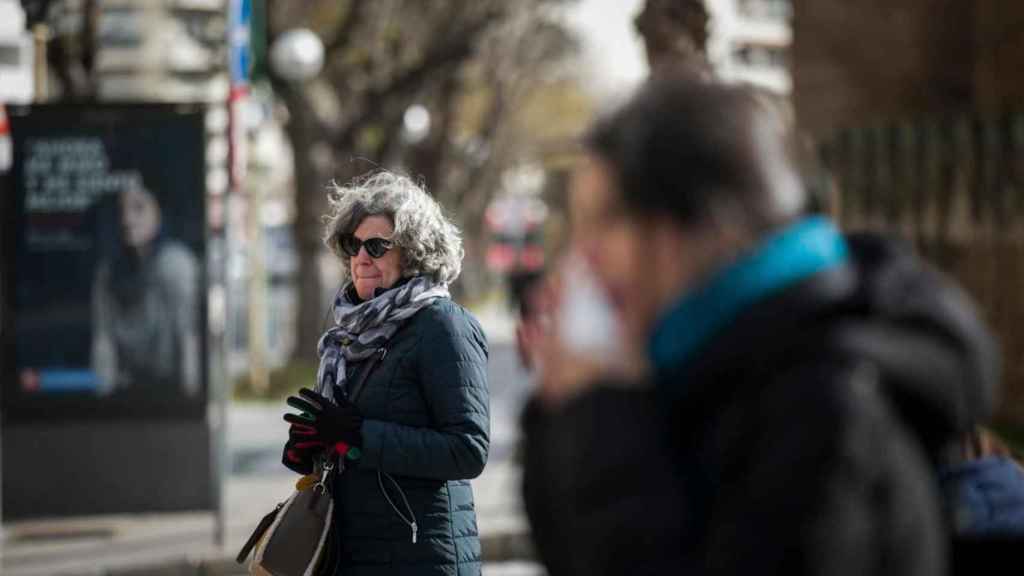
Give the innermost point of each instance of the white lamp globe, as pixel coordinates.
(415, 123)
(297, 55)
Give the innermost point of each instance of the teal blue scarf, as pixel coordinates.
(782, 260)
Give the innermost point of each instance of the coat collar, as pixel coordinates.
(794, 254)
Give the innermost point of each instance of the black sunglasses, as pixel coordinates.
(375, 247)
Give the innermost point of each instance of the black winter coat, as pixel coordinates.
(426, 432)
(804, 438)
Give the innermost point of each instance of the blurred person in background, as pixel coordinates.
(525, 293)
(145, 306)
(984, 483)
(804, 386)
(417, 429)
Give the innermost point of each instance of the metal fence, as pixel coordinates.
(952, 186)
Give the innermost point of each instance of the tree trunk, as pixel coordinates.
(429, 157)
(310, 206)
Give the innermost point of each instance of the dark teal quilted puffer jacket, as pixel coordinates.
(426, 432)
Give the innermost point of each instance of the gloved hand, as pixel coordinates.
(324, 422)
(300, 455)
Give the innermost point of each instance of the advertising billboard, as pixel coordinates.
(104, 251)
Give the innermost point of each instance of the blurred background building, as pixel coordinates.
(16, 59)
(169, 51)
(16, 54)
(749, 41)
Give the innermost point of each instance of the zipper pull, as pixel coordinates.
(414, 530)
(383, 353)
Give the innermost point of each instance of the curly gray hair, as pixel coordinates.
(431, 244)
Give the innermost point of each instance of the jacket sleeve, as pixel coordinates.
(597, 474)
(830, 483)
(452, 360)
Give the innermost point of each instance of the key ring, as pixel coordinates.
(326, 467)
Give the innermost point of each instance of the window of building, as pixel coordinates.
(120, 28)
(765, 9)
(761, 56)
(10, 55)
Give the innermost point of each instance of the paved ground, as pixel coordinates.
(102, 545)
(113, 544)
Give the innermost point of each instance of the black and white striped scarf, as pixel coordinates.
(361, 329)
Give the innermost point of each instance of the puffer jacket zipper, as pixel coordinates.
(411, 520)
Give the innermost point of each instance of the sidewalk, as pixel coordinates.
(171, 544)
(497, 320)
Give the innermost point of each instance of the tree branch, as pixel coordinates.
(342, 37)
(488, 133)
(457, 47)
(392, 130)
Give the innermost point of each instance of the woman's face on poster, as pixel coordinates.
(140, 217)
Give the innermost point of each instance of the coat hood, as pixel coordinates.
(940, 363)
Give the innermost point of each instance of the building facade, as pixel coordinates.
(16, 54)
(749, 41)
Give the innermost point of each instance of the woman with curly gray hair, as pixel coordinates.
(401, 402)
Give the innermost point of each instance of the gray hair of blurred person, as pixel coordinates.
(701, 151)
(431, 244)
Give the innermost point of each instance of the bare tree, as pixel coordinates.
(382, 57)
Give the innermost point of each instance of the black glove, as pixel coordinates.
(300, 455)
(325, 422)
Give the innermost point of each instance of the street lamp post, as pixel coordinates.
(296, 56)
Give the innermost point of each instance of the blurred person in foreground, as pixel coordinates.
(802, 387)
(420, 428)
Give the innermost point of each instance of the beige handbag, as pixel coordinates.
(293, 539)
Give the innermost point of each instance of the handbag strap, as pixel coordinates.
(261, 529)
